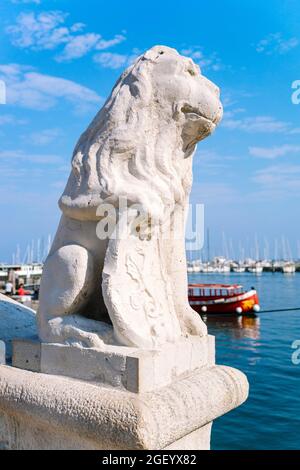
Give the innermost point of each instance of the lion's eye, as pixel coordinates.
(191, 72)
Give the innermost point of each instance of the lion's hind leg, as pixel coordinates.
(67, 282)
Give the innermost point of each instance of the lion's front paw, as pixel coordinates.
(91, 340)
(85, 339)
(193, 324)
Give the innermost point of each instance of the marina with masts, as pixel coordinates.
(26, 267)
(256, 261)
(224, 266)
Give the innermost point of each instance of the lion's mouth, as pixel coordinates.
(196, 128)
(194, 114)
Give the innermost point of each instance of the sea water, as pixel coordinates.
(262, 348)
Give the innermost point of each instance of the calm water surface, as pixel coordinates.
(261, 348)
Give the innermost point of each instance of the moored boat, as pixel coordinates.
(255, 268)
(289, 267)
(223, 299)
(238, 268)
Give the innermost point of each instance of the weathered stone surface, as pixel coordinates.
(132, 369)
(196, 440)
(16, 321)
(26, 354)
(135, 162)
(49, 412)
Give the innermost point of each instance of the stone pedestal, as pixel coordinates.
(41, 411)
(62, 397)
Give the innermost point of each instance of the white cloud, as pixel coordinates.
(39, 31)
(266, 124)
(44, 137)
(6, 119)
(231, 100)
(48, 30)
(285, 177)
(233, 112)
(9, 119)
(14, 156)
(30, 89)
(114, 61)
(107, 43)
(273, 152)
(275, 43)
(205, 61)
(78, 46)
(209, 163)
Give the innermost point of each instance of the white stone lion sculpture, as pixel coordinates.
(130, 289)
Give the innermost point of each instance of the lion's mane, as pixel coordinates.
(132, 148)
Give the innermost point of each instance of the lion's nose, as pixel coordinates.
(215, 100)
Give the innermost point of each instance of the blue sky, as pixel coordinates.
(59, 60)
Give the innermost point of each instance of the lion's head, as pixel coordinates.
(139, 145)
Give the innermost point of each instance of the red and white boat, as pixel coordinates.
(222, 299)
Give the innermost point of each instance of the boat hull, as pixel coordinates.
(243, 304)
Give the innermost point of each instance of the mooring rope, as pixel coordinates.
(280, 310)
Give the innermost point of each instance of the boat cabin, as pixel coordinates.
(211, 291)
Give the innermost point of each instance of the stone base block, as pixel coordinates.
(26, 354)
(131, 369)
(41, 411)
